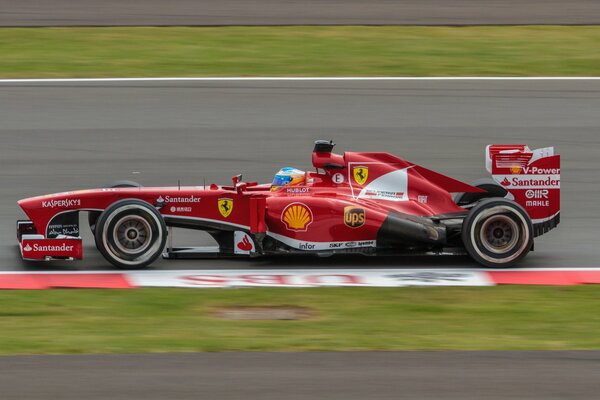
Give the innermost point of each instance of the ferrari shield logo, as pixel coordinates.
(225, 206)
(360, 174)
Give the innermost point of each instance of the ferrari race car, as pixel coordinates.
(355, 203)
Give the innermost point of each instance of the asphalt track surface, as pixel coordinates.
(296, 12)
(291, 376)
(61, 136)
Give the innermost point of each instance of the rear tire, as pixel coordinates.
(131, 234)
(497, 233)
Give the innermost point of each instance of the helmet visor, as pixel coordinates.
(281, 180)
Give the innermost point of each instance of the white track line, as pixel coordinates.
(276, 78)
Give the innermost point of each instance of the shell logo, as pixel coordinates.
(515, 169)
(297, 217)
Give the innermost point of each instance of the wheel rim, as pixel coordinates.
(132, 234)
(499, 234)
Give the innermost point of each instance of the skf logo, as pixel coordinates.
(360, 174)
(354, 217)
(225, 206)
(297, 217)
(515, 169)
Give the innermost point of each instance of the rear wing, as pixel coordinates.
(532, 177)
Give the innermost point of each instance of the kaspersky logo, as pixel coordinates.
(65, 203)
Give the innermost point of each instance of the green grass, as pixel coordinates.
(160, 320)
(300, 51)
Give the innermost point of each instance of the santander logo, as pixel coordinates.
(505, 182)
(245, 244)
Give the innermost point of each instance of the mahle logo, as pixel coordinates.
(354, 217)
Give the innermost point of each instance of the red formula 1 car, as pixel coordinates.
(363, 203)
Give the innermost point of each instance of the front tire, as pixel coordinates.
(497, 233)
(93, 215)
(130, 234)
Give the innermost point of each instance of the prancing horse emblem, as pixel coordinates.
(360, 174)
(225, 206)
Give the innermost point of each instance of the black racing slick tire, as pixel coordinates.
(497, 233)
(131, 234)
(93, 215)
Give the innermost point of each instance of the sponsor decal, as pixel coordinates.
(422, 198)
(529, 181)
(360, 174)
(68, 230)
(537, 198)
(296, 190)
(305, 245)
(541, 171)
(243, 243)
(354, 217)
(48, 247)
(515, 169)
(64, 203)
(383, 195)
(392, 186)
(172, 199)
(225, 206)
(174, 209)
(338, 178)
(537, 194)
(350, 245)
(297, 217)
(438, 278)
(537, 203)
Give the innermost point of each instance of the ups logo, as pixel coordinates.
(354, 216)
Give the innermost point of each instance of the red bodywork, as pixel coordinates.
(353, 202)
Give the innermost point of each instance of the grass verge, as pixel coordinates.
(160, 320)
(300, 51)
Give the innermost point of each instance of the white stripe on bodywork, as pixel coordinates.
(307, 245)
(392, 186)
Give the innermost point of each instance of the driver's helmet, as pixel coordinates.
(288, 176)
